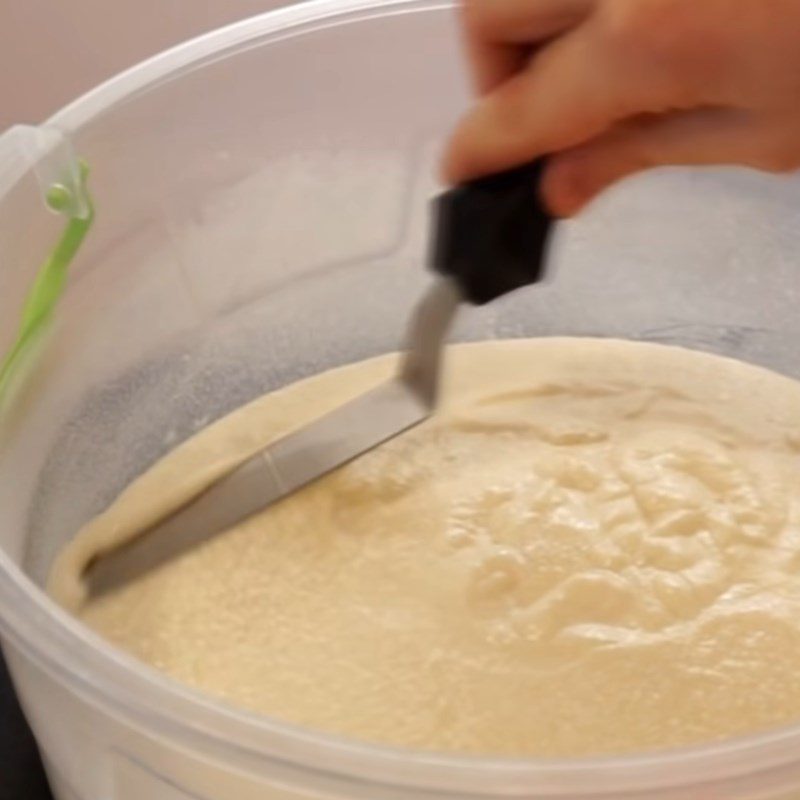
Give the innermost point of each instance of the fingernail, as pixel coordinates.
(568, 185)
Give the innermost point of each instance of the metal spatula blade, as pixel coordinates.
(300, 457)
(489, 238)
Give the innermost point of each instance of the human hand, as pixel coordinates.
(612, 87)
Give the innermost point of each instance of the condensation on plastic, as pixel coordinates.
(261, 197)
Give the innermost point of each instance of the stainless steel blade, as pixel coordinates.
(298, 458)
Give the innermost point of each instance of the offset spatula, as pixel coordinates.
(489, 237)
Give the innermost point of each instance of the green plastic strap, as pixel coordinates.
(51, 278)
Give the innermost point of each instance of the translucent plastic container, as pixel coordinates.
(261, 197)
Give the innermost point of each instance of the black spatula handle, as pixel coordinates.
(491, 235)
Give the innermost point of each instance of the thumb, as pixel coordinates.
(568, 94)
(712, 136)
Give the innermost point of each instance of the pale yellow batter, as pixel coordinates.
(593, 548)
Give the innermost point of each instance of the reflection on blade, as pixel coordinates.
(297, 459)
(284, 467)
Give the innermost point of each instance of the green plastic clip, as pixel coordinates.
(68, 196)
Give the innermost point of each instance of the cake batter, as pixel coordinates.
(594, 547)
